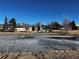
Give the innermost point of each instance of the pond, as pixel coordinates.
(15, 43)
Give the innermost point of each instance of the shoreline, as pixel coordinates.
(48, 34)
(13, 33)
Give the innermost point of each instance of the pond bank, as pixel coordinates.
(70, 34)
(13, 33)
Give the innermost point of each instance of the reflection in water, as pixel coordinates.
(13, 43)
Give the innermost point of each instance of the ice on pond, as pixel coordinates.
(36, 44)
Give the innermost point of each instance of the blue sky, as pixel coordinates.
(44, 11)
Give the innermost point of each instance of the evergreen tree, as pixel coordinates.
(38, 28)
(5, 25)
(74, 27)
(33, 28)
(13, 24)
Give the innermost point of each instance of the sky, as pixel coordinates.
(44, 11)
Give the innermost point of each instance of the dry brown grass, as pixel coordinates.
(74, 32)
(53, 54)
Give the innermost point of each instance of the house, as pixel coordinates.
(1, 27)
(21, 28)
(5, 29)
(42, 29)
(30, 29)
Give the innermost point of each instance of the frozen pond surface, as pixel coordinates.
(14, 43)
